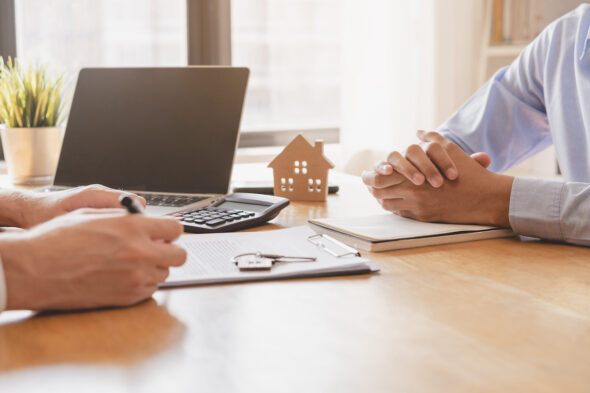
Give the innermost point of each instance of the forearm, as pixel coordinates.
(551, 210)
(13, 206)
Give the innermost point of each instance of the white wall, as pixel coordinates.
(407, 65)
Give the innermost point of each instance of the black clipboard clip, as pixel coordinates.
(329, 244)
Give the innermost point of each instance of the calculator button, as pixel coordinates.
(199, 221)
(188, 219)
(217, 221)
(235, 216)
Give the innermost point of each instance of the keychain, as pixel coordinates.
(260, 261)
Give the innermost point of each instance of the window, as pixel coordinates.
(292, 47)
(70, 35)
(293, 50)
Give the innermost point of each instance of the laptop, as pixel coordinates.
(167, 134)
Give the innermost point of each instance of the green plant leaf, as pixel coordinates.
(29, 97)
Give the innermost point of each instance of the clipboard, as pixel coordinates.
(331, 245)
(209, 259)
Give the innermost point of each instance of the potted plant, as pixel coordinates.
(32, 112)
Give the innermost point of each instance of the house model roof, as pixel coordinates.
(300, 149)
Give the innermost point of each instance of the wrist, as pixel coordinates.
(498, 203)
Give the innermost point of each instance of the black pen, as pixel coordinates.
(131, 204)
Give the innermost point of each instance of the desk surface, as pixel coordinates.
(493, 315)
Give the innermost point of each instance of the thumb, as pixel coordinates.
(483, 159)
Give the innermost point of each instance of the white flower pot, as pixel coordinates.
(31, 154)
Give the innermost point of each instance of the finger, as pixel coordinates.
(112, 211)
(150, 290)
(373, 179)
(401, 165)
(158, 228)
(439, 156)
(482, 158)
(430, 136)
(167, 255)
(383, 168)
(158, 275)
(394, 192)
(393, 204)
(424, 164)
(146, 292)
(99, 196)
(406, 214)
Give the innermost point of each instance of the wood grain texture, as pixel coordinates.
(487, 316)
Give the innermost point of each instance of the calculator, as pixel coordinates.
(231, 213)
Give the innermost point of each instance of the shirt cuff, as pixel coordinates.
(447, 134)
(535, 208)
(2, 289)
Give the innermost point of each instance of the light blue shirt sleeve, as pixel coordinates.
(551, 209)
(506, 117)
(543, 97)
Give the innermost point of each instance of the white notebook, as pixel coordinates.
(210, 256)
(384, 232)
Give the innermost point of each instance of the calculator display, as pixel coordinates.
(242, 206)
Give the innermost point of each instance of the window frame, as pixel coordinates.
(208, 43)
(7, 29)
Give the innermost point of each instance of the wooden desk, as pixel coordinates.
(494, 315)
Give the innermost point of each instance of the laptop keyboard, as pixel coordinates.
(171, 200)
(158, 199)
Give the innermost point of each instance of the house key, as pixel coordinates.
(259, 261)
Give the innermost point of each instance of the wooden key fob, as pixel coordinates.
(254, 262)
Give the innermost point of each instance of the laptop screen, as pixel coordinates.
(154, 129)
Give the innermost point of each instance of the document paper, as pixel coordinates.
(210, 256)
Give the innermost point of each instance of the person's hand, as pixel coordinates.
(89, 258)
(36, 208)
(427, 161)
(478, 196)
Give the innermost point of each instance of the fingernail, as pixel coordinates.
(436, 181)
(452, 173)
(385, 168)
(418, 179)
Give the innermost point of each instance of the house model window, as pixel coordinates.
(301, 171)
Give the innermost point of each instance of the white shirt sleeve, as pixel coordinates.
(550, 209)
(2, 289)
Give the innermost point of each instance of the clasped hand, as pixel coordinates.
(413, 185)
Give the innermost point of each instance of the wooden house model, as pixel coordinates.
(300, 171)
